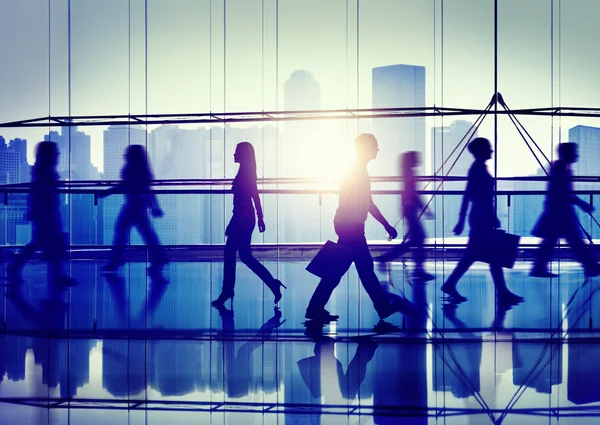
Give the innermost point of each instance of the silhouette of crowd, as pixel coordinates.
(478, 209)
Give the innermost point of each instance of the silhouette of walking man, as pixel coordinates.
(482, 218)
(411, 209)
(559, 220)
(240, 228)
(355, 202)
(43, 210)
(136, 176)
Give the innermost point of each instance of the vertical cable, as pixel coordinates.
(551, 126)
(442, 118)
(277, 124)
(347, 60)
(441, 141)
(210, 173)
(358, 60)
(224, 94)
(49, 62)
(358, 131)
(496, 105)
(68, 168)
(210, 130)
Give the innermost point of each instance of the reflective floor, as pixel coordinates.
(129, 350)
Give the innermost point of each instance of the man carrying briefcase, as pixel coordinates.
(355, 203)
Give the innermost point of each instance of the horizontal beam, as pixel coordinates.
(283, 116)
(321, 409)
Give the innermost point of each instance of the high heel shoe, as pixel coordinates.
(275, 287)
(224, 296)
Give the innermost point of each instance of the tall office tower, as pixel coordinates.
(215, 165)
(588, 139)
(526, 209)
(447, 160)
(20, 146)
(12, 162)
(180, 154)
(160, 146)
(74, 146)
(398, 86)
(116, 139)
(300, 214)
(395, 86)
(17, 205)
(79, 212)
(301, 92)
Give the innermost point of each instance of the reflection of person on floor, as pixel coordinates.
(240, 228)
(136, 177)
(403, 368)
(559, 219)
(355, 203)
(411, 210)
(458, 363)
(323, 370)
(43, 210)
(482, 218)
(238, 367)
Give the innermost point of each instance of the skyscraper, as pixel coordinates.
(13, 167)
(588, 139)
(398, 86)
(75, 164)
(178, 153)
(301, 92)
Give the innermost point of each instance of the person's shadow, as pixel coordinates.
(50, 314)
(237, 367)
(316, 370)
(117, 287)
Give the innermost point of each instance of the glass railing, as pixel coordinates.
(296, 212)
(298, 220)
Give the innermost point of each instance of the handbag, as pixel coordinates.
(332, 260)
(495, 247)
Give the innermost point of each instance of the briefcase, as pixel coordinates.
(495, 247)
(332, 260)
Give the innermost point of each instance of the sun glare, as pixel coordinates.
(325, 157)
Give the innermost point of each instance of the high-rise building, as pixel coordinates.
(10, 163)
(179, 154)
(20, 146)
(395, 86)
(588, 139)
(301, 92)
(526, 209)
(398, 86)
(79, 212)
(13, 167)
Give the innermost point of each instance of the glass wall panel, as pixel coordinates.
(141, 57)
(525, 53)
(99, 60)
(467, 66)
(184, 46)
(578, 55)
